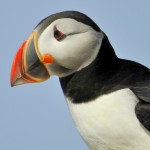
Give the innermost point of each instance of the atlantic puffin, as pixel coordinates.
(108, 97)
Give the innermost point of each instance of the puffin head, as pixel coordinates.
(61, 44)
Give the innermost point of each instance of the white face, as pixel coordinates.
(76, 50)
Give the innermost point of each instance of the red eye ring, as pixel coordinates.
(58, 35)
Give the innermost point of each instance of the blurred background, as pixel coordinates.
(35, 116)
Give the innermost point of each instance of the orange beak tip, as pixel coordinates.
(28, 66)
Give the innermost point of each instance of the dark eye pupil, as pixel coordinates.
(57, 34)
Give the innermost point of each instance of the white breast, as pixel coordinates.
(109, 122)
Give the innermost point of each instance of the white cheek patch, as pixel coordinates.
(92, 48)
(46, 40)
(77, 50)
(71, 26)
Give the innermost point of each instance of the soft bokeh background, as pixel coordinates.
(35, 116)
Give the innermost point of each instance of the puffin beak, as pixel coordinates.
(29, 65)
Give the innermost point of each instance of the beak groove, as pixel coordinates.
(27, 66)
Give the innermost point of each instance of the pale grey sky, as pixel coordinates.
(35, 116)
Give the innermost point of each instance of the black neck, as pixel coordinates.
(87, 84)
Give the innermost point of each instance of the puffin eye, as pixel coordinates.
(58, 35)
